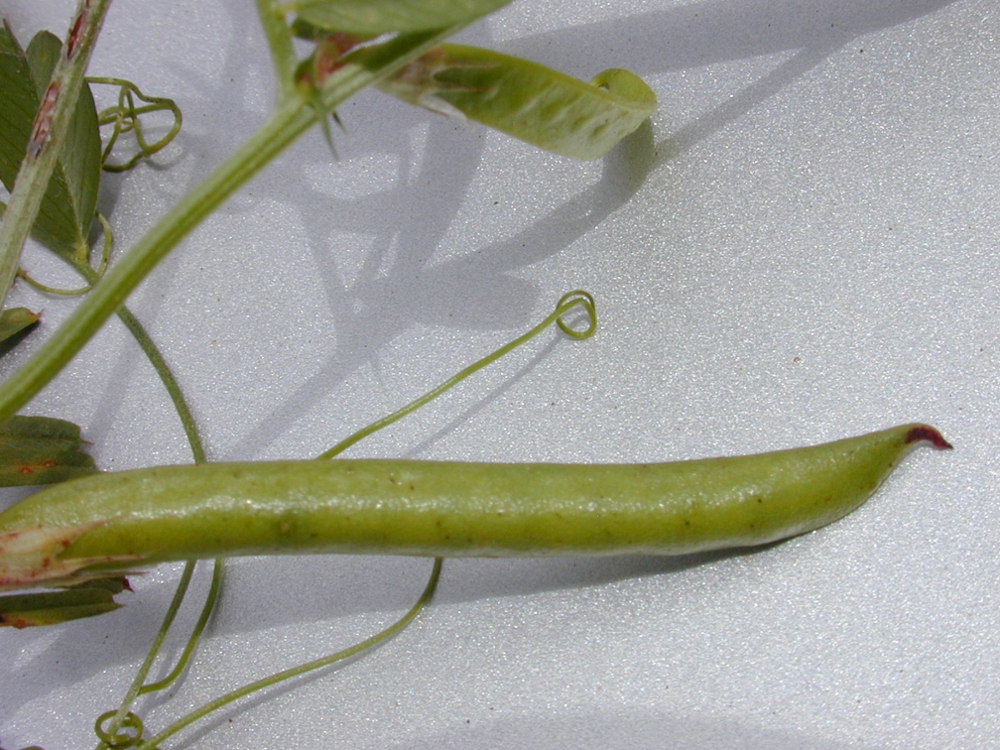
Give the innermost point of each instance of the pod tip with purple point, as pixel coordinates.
(926, 433)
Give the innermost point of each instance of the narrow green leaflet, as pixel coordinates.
(67, 210)
(14, 321)
(41, 450)
(382, 16)
(54, 607)
(17, 107)
(528, 101)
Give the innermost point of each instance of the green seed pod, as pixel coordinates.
(106, 522)
(526, 100)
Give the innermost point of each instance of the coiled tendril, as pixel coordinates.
(127, 733)
(571, 300)
(125, 116)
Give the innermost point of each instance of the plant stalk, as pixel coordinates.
(288, 121)
(279, 42)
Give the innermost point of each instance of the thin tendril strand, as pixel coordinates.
(302, 669)
(91, 274)
(46, 289)
(120, 717)
(102, 265)
(567, 302)
(185, 657)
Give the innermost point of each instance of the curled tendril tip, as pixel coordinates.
(127, 734)
(577, 298)
(125, 117)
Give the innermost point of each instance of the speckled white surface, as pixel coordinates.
(802, 246)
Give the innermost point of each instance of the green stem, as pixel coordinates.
(289, 121)
(47, 137)
(112, 290)
(279, 42)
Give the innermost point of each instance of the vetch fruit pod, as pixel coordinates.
(109, 523)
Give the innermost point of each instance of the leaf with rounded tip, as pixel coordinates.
(382, 16)
(67, 210)
(526, 100)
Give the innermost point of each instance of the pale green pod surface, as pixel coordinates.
(383, 16)
(527, 101)
(441, 508)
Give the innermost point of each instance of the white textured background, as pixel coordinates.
(801, 246)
